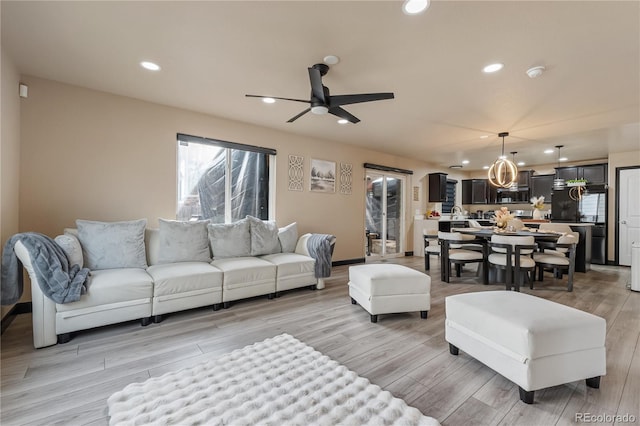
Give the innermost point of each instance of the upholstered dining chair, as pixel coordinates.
(431, 247)
(454, 252)
(558, 257)
(513, 254)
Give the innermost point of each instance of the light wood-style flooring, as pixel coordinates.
(69, 384)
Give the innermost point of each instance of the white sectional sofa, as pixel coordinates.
(180, 270)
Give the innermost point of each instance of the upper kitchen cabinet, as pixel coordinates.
(474, 191)
(542, 185)
(524, 179)
(595, 174)
(437, 187)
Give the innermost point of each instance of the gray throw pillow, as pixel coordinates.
(264, 237)
(72, 248)
(111, 245)
(183, 241)
(230, 239)
(288, 237)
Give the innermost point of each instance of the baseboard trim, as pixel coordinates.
(408, 253)
(18, 308)
(348, 261)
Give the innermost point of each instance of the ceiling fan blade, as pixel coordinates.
(342, 113)
(355, 99)
(275, 97)
(291, 120)
(315, 77)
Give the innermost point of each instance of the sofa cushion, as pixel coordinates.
(72, 248)
(264, 236)
(230, 239)
(245, 271)
(291, 263)
(109, 245)
(183, 241)
(288, 237)
(173, 278)
(112, 286)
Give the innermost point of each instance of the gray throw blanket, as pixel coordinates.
(321, 248)
(57, 280)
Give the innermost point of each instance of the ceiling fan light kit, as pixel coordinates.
(503, 172)
(321, 102)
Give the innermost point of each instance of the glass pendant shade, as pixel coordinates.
(503, 173)
(559, 183)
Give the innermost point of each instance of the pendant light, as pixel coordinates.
(514, 185)
(558, 183)
(503, 172)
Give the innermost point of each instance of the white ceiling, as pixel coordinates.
(213, 53)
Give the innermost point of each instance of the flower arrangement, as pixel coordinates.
(537, 202)
(503, 216)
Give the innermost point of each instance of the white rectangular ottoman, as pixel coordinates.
(531, 341)
(387, 289)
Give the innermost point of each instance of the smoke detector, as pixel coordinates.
(535, 71)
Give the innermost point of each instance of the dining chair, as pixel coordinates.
(559, 258)
(513, 254)
(454, 252)
(431, 247)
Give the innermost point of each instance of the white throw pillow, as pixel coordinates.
(230, 239)
(72, 248)
(111, 245)
(183, 241)
(288, 237)
(264, 237)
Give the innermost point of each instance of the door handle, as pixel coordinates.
(623, 222)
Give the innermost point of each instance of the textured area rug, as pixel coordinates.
(279, 381)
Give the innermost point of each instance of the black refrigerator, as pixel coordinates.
(591, 208)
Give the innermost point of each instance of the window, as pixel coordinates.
(451, 196)
(222, 181)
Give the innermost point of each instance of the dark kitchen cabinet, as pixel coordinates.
(474, 191)
(524, 179)
(542, 185)
(567, 173)
(437, 187)
(594, 174)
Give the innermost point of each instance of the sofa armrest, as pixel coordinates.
(320, 248)
(43, 308)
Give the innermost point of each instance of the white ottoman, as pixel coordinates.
(533, 342)
(387, 289)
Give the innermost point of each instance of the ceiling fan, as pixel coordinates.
(322, 102)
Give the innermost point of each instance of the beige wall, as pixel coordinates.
(619, 159)
(94, 155)
(9, 153)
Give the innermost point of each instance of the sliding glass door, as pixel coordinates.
(384, 210)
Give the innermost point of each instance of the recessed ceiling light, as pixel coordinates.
(413, 7)
(493, 68)
(549, 151)
(562, 159)
(343, 121)
(331, 60)
(485, 167)
(465, 161)
(150, 66)
(484, 136)
(520, 163)
(268, 100)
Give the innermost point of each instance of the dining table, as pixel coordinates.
(485, 233)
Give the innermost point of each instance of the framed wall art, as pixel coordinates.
(323, 176)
